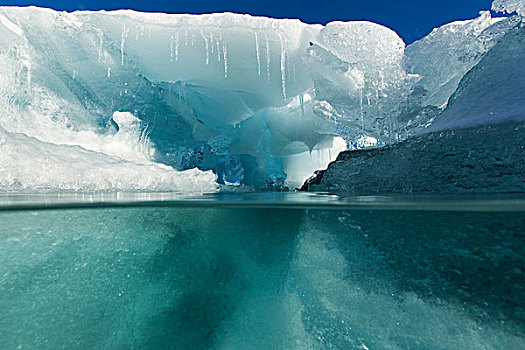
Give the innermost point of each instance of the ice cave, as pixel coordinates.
(131, 101)
(230, 181)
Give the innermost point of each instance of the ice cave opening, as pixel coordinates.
(140, 101)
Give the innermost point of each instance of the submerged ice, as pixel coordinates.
(128, 100)
(164, 278)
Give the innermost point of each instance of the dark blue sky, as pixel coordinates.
(412, 19)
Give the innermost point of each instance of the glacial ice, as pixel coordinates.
(444, 56)
(474, 145)
(256, 100)
(28, 164)
(509, 6)
(492, 91)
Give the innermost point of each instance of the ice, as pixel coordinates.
(258, 54)
(356, 61)
(473, 142)
(255, 94)
(509, 6)
(283, 65)
(28, 165)
(54, 114)
(123, 44)
(491, 92)
(213, 97)
(279, 278)
(268, 62)
(225, 59)
(444, 56)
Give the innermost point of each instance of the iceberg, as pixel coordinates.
(492, 91)
(257, 101)
(188, 79)
(474, 144)
(444, 56)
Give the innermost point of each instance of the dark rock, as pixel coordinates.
(487, 159)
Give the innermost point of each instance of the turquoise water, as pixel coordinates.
(261, 271)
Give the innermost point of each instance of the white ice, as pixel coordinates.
(145, 88)
(509, 6)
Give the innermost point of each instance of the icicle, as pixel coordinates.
(171, 48)
(218, 51)
(301, 103)
(267, 58)
(109, 73)
(142, 30)
(101, 45)
(74, 74)
(362, 114)
(123, 43)
(192, 39)
(177, 47)
(205, 38)
(283, 66)
(186, 37)
(207, 52)
(258, 54)
(212, 47)
(225, 57)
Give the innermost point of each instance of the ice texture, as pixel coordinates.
(188, 79)
(444, 56)
(28, 164)
(59, 124)
(492, 91)
(509, 6)
(258, 101)
(358, 76)
(474, 145)
(261, 278)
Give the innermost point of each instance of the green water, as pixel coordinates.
(367, 272)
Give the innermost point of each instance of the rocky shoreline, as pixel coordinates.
(486, 159)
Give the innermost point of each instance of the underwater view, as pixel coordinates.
(180, 176)
(365, 273)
